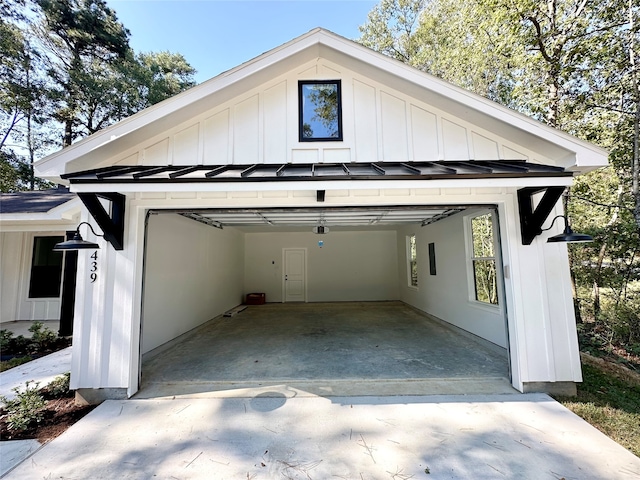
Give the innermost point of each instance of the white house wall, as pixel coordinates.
(446, 295)
(541, 325)
(350, 266)
(380, 124)
(16, 250)
(11, 246)
(194, 273)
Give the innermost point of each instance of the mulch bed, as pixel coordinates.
(60, 414)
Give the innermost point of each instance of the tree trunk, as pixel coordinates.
(30, 145)
(574, 290)
(68, 133)
(596, 281)
(601, 254)
(635, 170)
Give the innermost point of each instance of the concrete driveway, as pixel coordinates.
(284, 433)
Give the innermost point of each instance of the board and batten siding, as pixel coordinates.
(16, 251)
(380, 124)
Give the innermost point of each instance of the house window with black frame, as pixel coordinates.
(412, 261)
(320, 110)
(46, 268)
(483, 258)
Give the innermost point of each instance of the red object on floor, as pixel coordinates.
(255, 299)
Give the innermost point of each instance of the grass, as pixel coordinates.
(14, 362)
(610, 404)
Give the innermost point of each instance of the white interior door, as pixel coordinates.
(295, 275)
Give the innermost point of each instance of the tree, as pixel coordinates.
(392, 29)
(163, 75)
(66, 65)
(22, 93)
(571, 64)
(460, 42)
(119, 89)
(77, 34)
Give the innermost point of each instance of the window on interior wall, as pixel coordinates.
(412, 261)
(46, 268)
(482, 258)
(320, 111)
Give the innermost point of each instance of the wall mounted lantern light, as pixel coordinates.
(77, 243)
(568, 236)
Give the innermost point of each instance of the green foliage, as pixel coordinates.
(14, 362)
(42, 337)
(43, 340)
(58, 387)
(67, 71)
(573, 66)
(28, 405)
(25, 409)
(5, 339)
(14, 345)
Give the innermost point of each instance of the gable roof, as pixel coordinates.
(39, 211)
(38, 201)
(317, 43)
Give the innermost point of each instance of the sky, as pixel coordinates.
(216, 35)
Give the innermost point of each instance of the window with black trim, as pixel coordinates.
(46, 268)
(320, 110)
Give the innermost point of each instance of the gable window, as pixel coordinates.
(412, 261)
(46, 268)
(482, 258)
(320, 110)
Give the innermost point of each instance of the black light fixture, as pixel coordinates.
(77, 243)
(320, 229)
(568, 236)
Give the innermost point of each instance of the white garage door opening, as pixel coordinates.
(202, 263)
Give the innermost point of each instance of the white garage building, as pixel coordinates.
(430, 195)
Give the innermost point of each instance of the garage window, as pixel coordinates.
(412, 261)
(482, 258)
(320, 111)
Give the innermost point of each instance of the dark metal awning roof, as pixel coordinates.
(317, 171)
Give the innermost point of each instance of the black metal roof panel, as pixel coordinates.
(318, 171)
(37, 201)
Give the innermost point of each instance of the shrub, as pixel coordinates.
(58, 387)
(42, 338)
(42, 341)
(26, 408)
(5, 339)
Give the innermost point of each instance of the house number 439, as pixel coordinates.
(93, 269)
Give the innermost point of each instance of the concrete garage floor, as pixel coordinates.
(356, 348)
